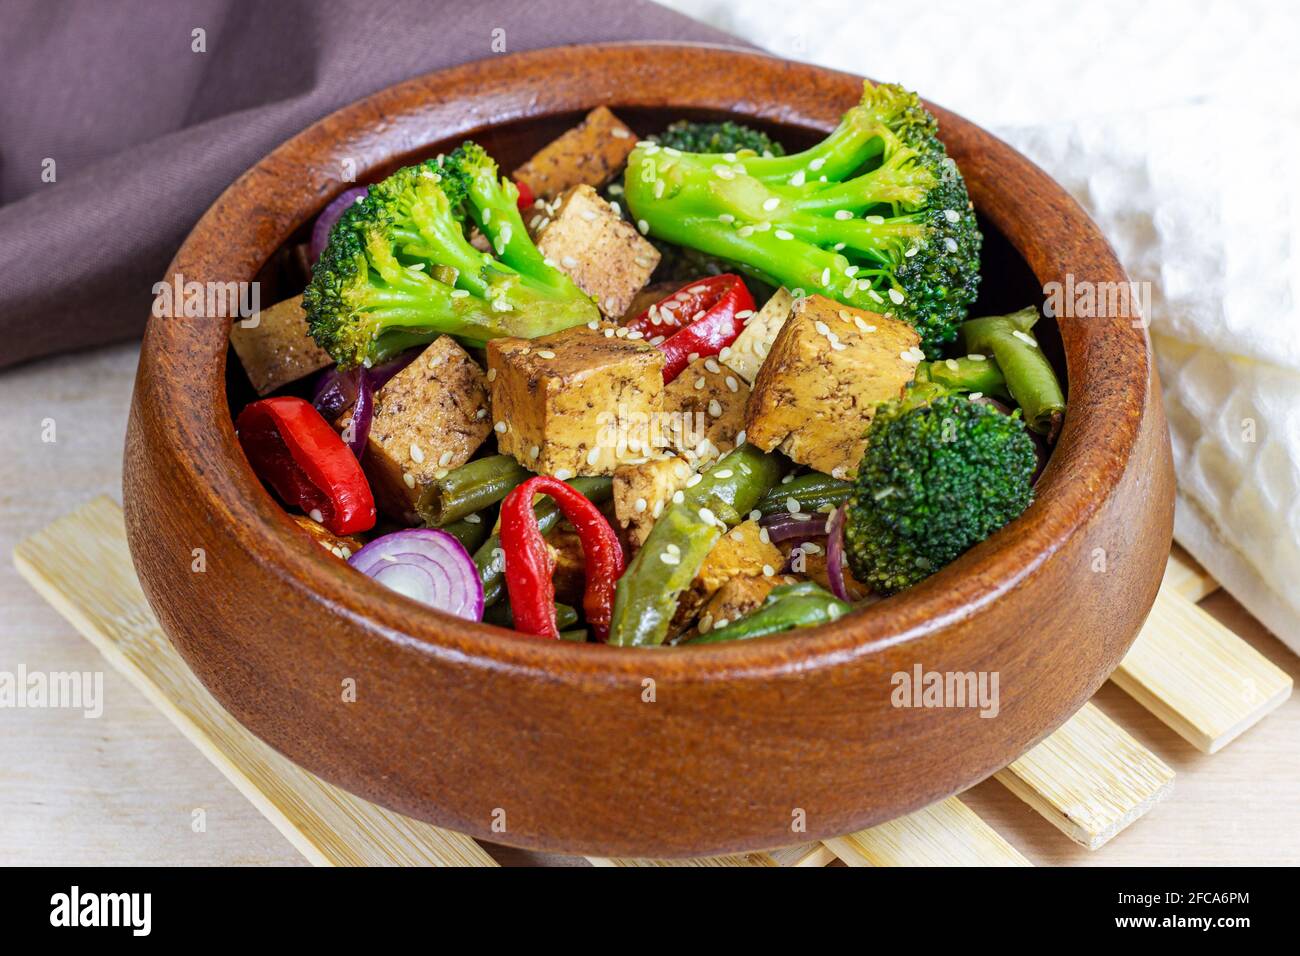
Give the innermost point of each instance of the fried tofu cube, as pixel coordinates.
(828, 369)
(591, 152)
(275, 347)
(607, 258)
(569, 571)
(705, 402)
(745, 355)
(744, 551)
(430, 417)
(577, 402)
(738, 597)
(641, 492)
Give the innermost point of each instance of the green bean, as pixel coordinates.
(471, 534)
(814, 491)
(577, 636)
(965, 375)
(469, 489)
(491, 565)
(646, 597)
(788, 606)
(1030, 377)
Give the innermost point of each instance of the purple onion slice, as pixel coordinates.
(835, 554)
(426, 565)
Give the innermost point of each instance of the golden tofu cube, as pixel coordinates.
(706, 405)
(275, 347)
(641, 492)
(429, 418)
(828, 369)
(738, 597)
(744, 551)
(746, 355)
(607, 258)
(577, 402)
(591, 152)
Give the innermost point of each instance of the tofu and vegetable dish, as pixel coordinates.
(652, 388)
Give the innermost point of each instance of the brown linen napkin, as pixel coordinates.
(120, 124)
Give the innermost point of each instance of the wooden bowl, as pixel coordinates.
(641, 752)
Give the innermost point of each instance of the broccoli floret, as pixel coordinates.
(874, 216)
(398, 270)
(940, 474)
(725, 137)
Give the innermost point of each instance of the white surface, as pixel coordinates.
(1175, 124)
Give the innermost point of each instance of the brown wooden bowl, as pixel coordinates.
(471, 727)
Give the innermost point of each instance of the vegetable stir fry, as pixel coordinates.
(690, 388)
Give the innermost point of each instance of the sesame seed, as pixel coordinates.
(768, 570)
(976, 357)
(408, 479)
(1027, 339)
(798, 179)
(843, 214)
(826, 276)
(657, 510)
(534, 452)
(911, 252)
(492, 374)
(589, 215)
(732, 383)
(563, 474)
(723, 172)
(715, 408)
(740, 437)
(672, 548)
(545, 354)
(720, 623)
(895, 297)
(568, 262)
(618, 132)
(500, 428)
(694, 480)
(745, 231)
(699, 382)
(667, 558)
(851, 271)
(706, 622)
(975, 396)
(473, 519)
(593, 325)
(951, 215)
(659, 188)
(875, 220)
(712, 366)
(762, 532)
(952, 365)
(459, 294)
(444, 459)
(481, 414)
(792, 505)
(707, 516)
(639, 505)
(417, 453)
(643, 226)
(783, 234)
(593, 456)
(770, 204)
(315, 515)
(950, 244)
(727, 218)
(609, 333)
(817, 163)
(678, 497)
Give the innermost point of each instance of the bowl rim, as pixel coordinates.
(240, 231)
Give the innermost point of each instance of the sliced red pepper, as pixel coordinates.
(295, 451)
(526, 197)
(706, 314)
(529, 566)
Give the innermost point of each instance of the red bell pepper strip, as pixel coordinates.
(528, 563)
(707, 315)
(526, 197)
(295, 451)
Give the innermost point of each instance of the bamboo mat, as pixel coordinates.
(1090, 779)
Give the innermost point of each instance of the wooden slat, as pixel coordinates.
(947, 833)
(81, 566)
(1188, 578)
(1090, 779)
(1197, 676)
(809, 854)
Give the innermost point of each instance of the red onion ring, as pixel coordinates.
(784, 526)
(337, 390)
(426, 565)
(835, 554)
(320, 231)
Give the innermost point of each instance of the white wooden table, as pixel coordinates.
(123, 788)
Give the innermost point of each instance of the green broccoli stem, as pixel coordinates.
(1030, 378)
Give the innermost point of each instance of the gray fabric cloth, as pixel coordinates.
(142, 132)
